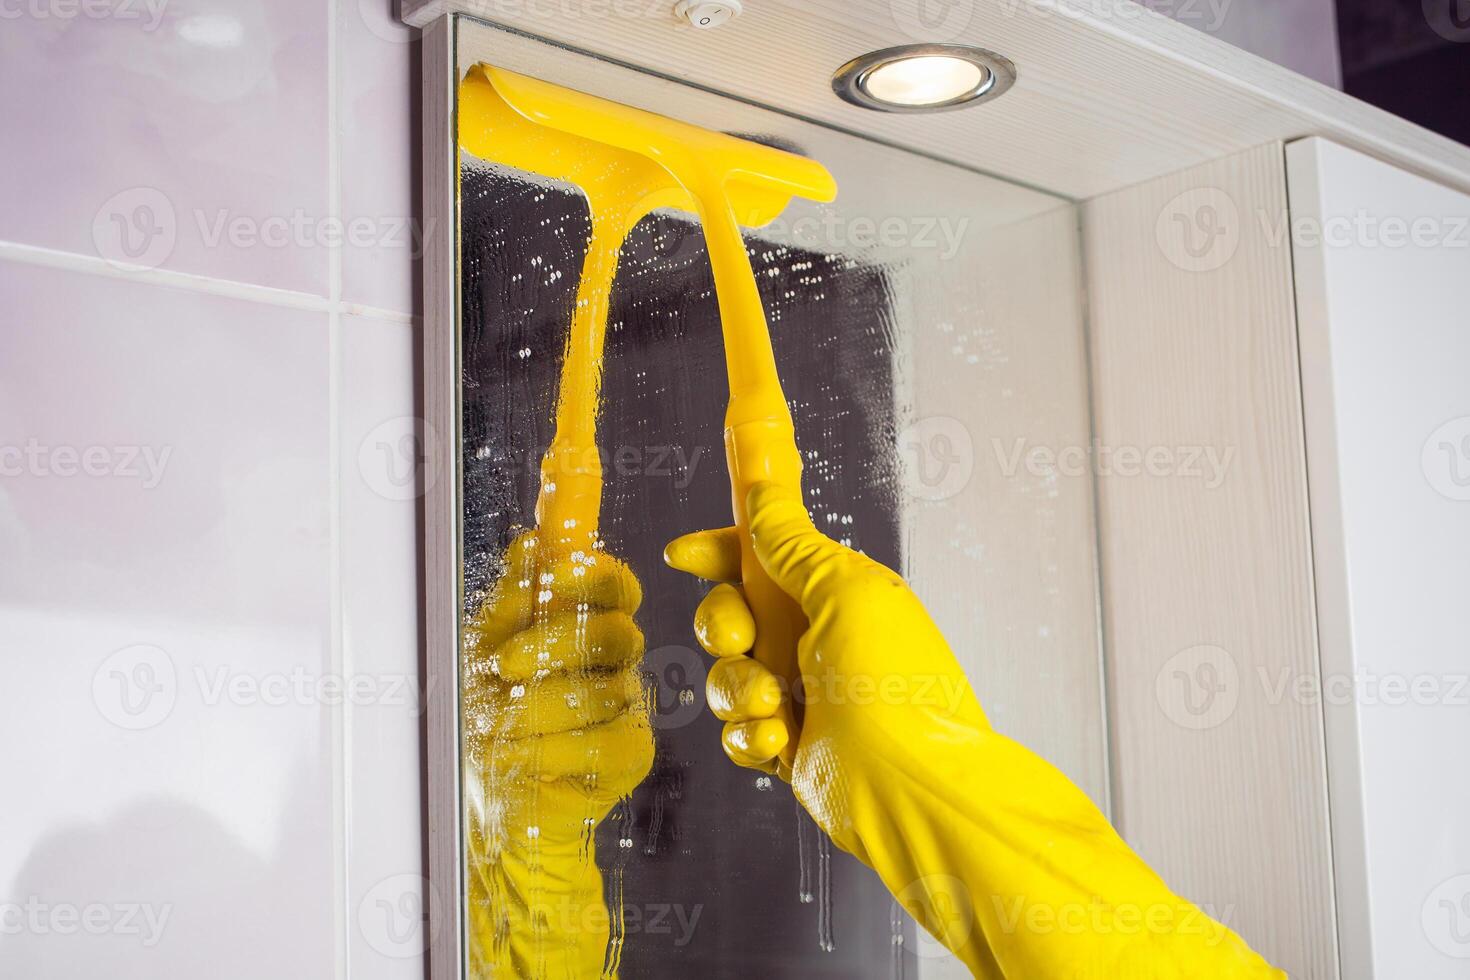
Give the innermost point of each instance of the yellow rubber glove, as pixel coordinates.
(984, 843)
(556, 731)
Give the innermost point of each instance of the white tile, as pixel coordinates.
(161, 621)
(183, 134)
(379, 456)
(380, 155)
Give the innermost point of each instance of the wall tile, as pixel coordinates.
(165, 603)
(380, 155)
(184, 134)
(381, 445)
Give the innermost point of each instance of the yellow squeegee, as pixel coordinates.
(629, 162)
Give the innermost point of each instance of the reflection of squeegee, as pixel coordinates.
(629, 162)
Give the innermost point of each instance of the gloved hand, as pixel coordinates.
(988, 846)
(556, 731)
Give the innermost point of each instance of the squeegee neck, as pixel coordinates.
(568, 506)
(755, 386)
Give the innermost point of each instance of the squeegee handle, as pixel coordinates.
(760, 443)
(764, 450)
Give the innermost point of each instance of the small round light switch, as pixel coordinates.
(706, 14)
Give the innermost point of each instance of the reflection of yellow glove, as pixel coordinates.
(556, 731)
(987, 845)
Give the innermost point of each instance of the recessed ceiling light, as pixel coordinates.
(924, 78)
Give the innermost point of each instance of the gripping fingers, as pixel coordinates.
(610, 758)
(531, 591)
(755, 744)
(723, 622)
(596, 580)
(742, 689)
(560, 702)
(711, 555)
(569, 642)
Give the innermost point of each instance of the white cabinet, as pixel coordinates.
(1289, 684)
(1382, 260)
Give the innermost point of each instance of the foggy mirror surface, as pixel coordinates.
(715, 868)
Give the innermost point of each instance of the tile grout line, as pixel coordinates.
(342, 754)
(39, 255)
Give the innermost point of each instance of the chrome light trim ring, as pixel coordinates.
(999, 75)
